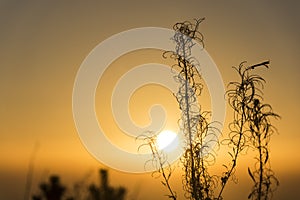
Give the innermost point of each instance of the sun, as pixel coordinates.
(167, 140)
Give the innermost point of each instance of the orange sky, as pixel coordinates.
(44, 43)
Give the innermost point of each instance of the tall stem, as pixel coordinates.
(188, 120)
(260, 169)
(234, 161)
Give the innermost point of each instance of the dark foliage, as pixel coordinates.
(54, 190)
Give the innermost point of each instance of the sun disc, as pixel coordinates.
(166, 138)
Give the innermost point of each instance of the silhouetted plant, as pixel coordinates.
(105, 191)
(197, 182)
(250, 128)
(159, 161)
(240, 96)
(261, 130)
(52, 190)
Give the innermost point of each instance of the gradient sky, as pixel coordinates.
(43, 44)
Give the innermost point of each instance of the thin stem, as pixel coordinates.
(161, 169)
(172, 194)
(234, 161)
(261, 170)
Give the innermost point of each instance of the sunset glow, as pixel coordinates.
(43, 45)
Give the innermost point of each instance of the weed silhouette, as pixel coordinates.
(52, 190)
(251, 127)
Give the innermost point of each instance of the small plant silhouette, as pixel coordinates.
(105, 191)
(52, 190)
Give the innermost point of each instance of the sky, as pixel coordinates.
(43, 44)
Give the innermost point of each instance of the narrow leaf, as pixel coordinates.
(267, 157)
(251, 175)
